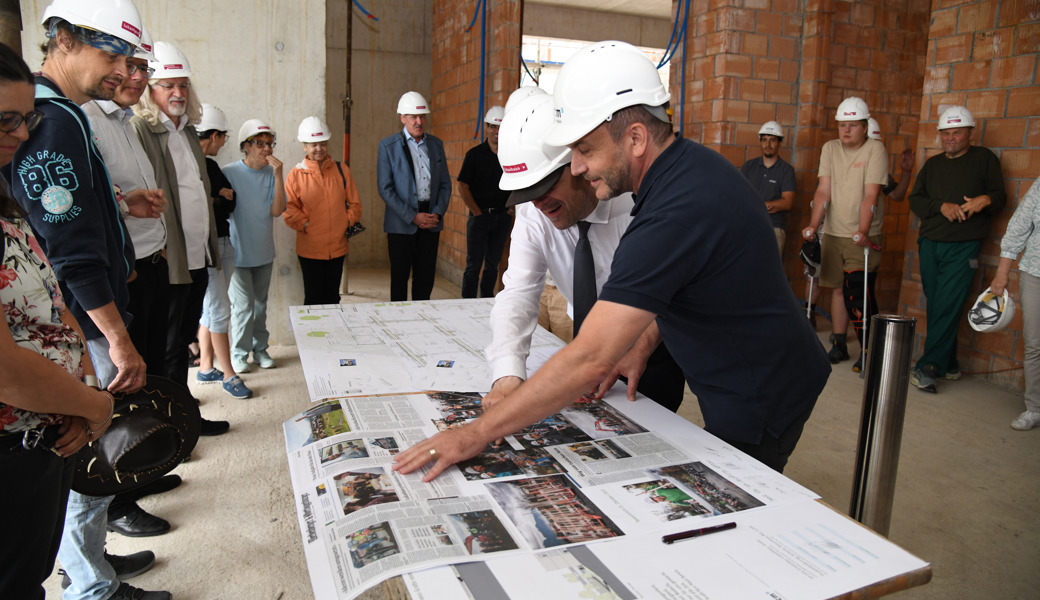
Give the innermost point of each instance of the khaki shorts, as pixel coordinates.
(840, 255)
(781, 239)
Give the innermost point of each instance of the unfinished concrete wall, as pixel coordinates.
(260, 59)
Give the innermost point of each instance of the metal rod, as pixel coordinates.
(887, 371)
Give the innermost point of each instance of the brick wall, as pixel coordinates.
(983, 55)
(456, 93)
(752, 61)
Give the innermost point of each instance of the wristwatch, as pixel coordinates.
(92, 381)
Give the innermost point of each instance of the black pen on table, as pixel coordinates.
(675, 537)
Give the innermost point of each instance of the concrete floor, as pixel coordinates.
(965, 498)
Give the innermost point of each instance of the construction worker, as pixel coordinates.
(956, 196)
(773, 179)
(853, 168)
(489, 220)
(733, 324)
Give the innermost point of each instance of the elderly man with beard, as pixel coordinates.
(164, 122)
(60, 180)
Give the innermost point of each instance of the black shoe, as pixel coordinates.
(839, 352)
(858, 365)
(138, 523)
(214, 427)
(125, 567)
(129, 592)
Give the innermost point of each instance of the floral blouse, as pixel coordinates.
(32, 305)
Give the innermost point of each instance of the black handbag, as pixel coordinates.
(356, 228)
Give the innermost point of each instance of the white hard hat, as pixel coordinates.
(529, 166)
(412, 103)
(873, 129)
(169, 62)
(852, 109)
(599, 80)
(254, 127)
(213, 119)
(955, 116)
(772, 128)
(117, 18)
(991, 312)
(494, 115)
(313, 129)
(144, 50)
(523, 92)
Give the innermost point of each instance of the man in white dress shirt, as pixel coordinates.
(550, 202)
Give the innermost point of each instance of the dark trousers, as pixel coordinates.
(149, 305)
(486, 237)
(185, 310)
(773, 451)
(413, 254)
(946, 276)
(36, 490)
(663, 381)
(321, 280)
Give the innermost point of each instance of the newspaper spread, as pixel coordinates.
(581, 498)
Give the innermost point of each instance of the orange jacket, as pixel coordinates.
(320, 206)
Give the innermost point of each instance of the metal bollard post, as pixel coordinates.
(887, 370)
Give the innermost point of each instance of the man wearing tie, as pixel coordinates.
(560, 226)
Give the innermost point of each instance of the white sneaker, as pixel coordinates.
(264, 359)
(1026, 421)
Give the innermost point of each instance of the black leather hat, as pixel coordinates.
(152, 431)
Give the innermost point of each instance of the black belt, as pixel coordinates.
(23, 441)
(424, 206)
(151, 259)
(493, 211)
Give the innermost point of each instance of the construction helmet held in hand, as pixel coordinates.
(772, 128)
(313, 129)
(852, 109)
(954, 117)
(599, 80)
(412, 103)
(118, 18)
(169, 62)
(529, 166)
(991, 312)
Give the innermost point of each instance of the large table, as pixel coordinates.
(573, 507)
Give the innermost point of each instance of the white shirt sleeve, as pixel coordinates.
(515, 314)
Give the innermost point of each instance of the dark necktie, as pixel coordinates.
(584, 276)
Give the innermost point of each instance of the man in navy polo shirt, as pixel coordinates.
(699, 258)
(773, 179)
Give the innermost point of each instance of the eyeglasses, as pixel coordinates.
(263, 145)
(10, 121)
(184, 87)
(131, 68)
